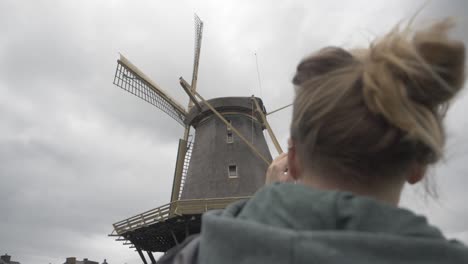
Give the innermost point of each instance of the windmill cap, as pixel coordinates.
(243, 105)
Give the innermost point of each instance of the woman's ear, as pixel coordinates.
(416, 173)
(294, 165)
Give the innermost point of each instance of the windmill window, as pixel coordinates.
(228, 127)
(230, 138)
(232, 171)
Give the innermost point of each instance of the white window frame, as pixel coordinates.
(229, 172)
(229, 137)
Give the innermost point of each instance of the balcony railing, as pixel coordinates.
(167, 211)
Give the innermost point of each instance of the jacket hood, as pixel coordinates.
(289, 223)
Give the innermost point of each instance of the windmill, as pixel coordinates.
(222, 160)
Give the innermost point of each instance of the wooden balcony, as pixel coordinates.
(161, 228)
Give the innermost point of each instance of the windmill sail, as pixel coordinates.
(196, 58)
(132, 80)
(198, 40)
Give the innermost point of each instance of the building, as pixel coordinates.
(6, 259)
(72, 260)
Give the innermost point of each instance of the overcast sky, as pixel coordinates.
(78, 154)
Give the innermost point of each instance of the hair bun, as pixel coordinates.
(408, 77)
(445, 62)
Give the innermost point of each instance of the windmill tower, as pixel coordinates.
(224, 160)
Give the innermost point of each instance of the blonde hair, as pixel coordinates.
(375, 111)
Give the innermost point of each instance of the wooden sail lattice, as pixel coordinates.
(131, 82)
(188, 156)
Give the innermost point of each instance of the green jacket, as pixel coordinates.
(288, 223)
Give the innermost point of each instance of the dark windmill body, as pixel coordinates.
(225, 160)
(222, 165)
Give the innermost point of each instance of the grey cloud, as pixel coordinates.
(77, 153)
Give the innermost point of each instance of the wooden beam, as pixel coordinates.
(267, 125)
(174, 237)
(187, 231)
(182, 150)
(187, 89)
(141, 255)
(279, 109)
(150, 255)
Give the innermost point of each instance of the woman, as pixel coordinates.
(364, 123)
